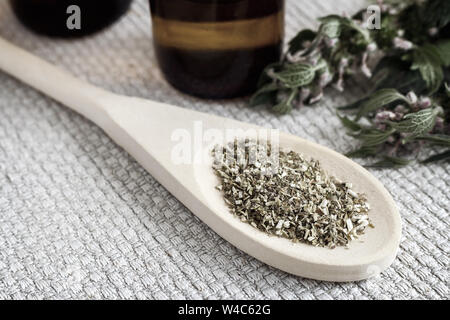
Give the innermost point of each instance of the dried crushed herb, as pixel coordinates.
(286, 195)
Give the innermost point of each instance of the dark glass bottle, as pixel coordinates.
(49, 17)
(216, 48)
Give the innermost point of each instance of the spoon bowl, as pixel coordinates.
(149, 131)
(366, 256)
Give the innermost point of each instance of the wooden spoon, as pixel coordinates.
(145, 129)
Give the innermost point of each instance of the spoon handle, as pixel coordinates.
(54, 82)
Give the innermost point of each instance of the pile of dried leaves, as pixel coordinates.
(286, 195)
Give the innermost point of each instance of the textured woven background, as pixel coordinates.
(79, 218)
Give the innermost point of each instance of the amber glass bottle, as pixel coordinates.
(216, 48)
(50, 17)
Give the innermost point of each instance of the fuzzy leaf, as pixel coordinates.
(349, 124)
(285, 106)
(331, 26)
(373, 137)
(334, 25)
(363, 152)
(296, 75)
(265, 95)
(392, 72)
(390, 162)
(352, 25)
(378, 100)
(264, 78)
(436, 139)
(417, 123)
(428, 61)
(296, 43)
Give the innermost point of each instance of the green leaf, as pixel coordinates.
(373, 137)
(417, 123)
(264, 78)
(296, 43)
(438, 157)
(265, 95)
(331, 26)
(334, 26)
(349, 124)
(387, 32)
(428, 61)
(436, 139)
(378, 100)
(296, 75)
(392, 72)
(352, 25)
(390, 162)
(286, 105)
(363, 152)
(443, 48)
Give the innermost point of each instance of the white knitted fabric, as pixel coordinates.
(79, 218)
